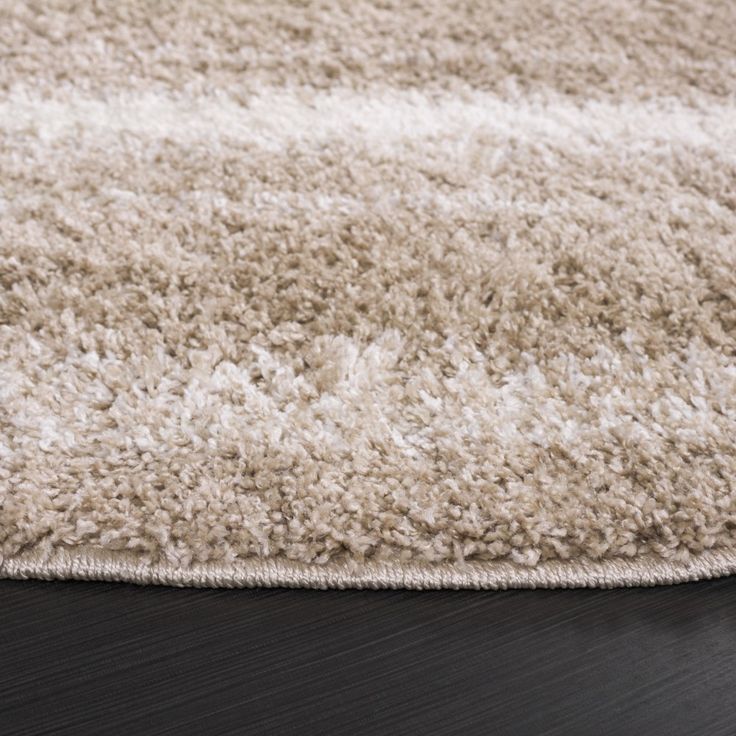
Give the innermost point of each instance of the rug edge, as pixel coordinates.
(96, 564)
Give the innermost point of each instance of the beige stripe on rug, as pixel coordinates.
(373, 294)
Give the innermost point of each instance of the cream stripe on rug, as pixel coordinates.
(371, 294)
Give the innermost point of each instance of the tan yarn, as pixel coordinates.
(368, 293)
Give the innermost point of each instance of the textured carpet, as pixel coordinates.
(349, 293)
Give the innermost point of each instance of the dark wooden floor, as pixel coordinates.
(98, 658)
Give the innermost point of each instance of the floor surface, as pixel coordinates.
(98, 658)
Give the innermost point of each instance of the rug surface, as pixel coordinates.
(368, 293)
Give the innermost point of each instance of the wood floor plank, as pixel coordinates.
(98, 658)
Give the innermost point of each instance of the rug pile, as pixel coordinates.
(431, 294)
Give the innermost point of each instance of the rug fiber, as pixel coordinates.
(368, 293)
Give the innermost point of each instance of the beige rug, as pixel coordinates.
(368, 293)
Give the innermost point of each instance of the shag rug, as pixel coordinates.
(423, 294)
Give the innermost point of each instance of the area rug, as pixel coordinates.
(380, 294)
